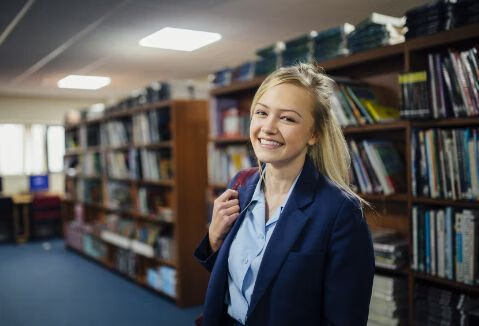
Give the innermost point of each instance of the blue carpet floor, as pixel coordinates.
(58, 287)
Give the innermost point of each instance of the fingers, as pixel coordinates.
(228, 194)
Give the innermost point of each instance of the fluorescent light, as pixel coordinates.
(179, 39)
(83, 82)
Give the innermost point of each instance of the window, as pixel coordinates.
(31, 149)
(56, 148)
(11, 148)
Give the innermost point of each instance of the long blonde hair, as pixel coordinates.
(330, 153)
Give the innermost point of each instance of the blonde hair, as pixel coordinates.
(330, 153)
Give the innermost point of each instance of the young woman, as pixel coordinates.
(291, 245)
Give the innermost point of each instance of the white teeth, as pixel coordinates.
(269, 142)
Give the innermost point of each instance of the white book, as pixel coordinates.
(469, 246)
(473, 162)
(432, 238)
(378, 167)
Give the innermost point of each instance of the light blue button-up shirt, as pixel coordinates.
(246, 252)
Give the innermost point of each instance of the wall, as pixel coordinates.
(44, 110)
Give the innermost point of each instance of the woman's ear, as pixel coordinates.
(314, 139)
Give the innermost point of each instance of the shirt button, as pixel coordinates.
(245, 261)
(261, 236)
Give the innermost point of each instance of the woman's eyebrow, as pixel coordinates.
(282, 110)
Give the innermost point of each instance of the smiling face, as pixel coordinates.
(282, 125)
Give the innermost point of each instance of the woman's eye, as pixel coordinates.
(260, 112)
(288, 119)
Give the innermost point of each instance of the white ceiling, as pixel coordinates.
(55, 38)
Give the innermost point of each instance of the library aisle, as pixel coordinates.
(37, 277)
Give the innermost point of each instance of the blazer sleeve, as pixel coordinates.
(350, 268)
(203, 253)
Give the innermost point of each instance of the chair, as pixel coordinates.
(6, 219)
(46, 216)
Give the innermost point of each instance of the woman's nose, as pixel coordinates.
(270, 124)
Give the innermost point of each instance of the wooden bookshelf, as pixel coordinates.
(382, 66)
(188, 127)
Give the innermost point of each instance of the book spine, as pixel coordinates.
(440, 231)
(432, 230)
(427, 236)
(414, 238)
(459, 252)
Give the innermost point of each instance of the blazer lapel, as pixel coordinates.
(289, 227)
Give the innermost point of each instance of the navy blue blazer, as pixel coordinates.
(318, 266)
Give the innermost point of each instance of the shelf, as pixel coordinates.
(449, 283)
(230, 140)
(163, 183)
(218, 186)
(443, 38)
(138, 279)
(70, 127)
(236, 87)
(72, 152)
(378, 127)
(448, 122)
(152, 106)
(82, 176)
(366, 56)
(445, 202)
(380, 197)
(163, 144)
(396, 272)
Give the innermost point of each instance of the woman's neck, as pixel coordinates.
(278, 180)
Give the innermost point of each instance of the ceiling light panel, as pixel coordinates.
(84, 82)
(179, 39)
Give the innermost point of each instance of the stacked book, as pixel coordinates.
(269, 59)
(388, 305)
(430, 18)
(244, 71)
(435, 306)
(445, 163)
(375, 31)
(390, 249)
(378, 167)
(298, 50)
(445, 243)
(332, 43)
(466, 12)
(355, 104)
(441, 15)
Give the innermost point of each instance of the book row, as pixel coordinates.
(445, 243)
(225, 162)
(448, 88)
(378, 167)
(445, 163)
(437, 306)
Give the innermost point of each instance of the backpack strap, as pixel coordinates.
(243, 177)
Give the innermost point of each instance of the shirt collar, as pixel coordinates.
(258, 194)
